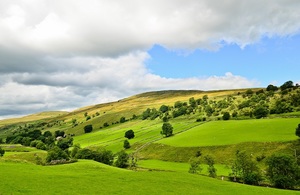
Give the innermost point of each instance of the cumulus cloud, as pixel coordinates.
(56, 53)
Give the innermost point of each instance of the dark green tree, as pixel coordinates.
(226, 116)
(212, 171)
(122, 119)
(245, 169)
(129, 134)
(287, 85)
(260, 112)
(126, 144)
(167, 129)
(56, 154)
(122, 159)
(272, 88)
(195, 167)
(283, 171)
(164, 109)
(47, 134)
(2, 152)
(65, 143)
(59, 133)
(298, 130)
(88, 128)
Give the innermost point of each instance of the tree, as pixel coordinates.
(212, 171)
(164, 109)
(2, 152)
(260, 112)
(47, 134)
(65, 143)
(122, 159)
(283, 171)
(287, 85)
(122, 119)
(56, 154)
(246, 169)
(59, 133)
(88, 128)
(195, 167)
(129, 134)
(167, 129)
(298, 130)
(272, 88)
(126, 144)
(226, 116)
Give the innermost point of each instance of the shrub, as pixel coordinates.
(2, 151)
(88, 128)
(126, 144)
(56, 154)
(167, 129)
(226, 116)
(122, 159)
(283, 171)
(129, 134)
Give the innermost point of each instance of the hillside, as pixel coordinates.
(259, 121)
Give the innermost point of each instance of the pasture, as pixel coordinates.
(236, 131)
(89, 177)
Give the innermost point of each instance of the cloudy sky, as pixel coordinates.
(62, 55)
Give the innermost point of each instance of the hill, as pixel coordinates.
(259, 121)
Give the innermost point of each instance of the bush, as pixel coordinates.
(283, 171)
(167, 129)
(126, 144)
(56, 154)
(226, 116)
(129, 134)
(2, 151)
(122, 160)
(88, 128)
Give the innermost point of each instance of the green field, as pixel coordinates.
(236, 131)
(89, 177)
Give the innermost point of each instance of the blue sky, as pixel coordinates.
(63, 55)
(270, 61)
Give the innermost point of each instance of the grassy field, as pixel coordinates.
(89, 177)
(180, 167)
(236, 131)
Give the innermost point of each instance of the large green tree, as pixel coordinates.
(2, 152)
(298, 130)
(167, 129)
(56, 154)
(129, 134)
(283, 171)
(122, 159)
(245, 169)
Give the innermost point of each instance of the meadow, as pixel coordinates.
(236, 131)
(89, 177)
(162, 163)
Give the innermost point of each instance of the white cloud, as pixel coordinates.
(106, 79)
(68, 53)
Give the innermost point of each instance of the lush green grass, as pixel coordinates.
(145, 131)
(179, 167)
(89, 177)
(236, 131)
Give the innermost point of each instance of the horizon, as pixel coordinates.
(52, 59)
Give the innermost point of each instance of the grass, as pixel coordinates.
(179, 167)
(89, 177)
(236, 131)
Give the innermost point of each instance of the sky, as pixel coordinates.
(62, 55)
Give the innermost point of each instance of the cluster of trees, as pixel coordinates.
(258, 104)
(282, 170)
(195, 165)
